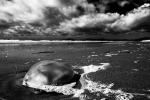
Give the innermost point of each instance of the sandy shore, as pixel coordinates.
(129, 63)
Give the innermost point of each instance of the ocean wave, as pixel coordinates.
(145, 41)
(49, 41)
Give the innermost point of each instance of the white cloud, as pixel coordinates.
(133, 19)
(25, 10)
(109, 21)
(89, 21)
(34, 11)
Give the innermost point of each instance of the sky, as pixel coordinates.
(74, 16)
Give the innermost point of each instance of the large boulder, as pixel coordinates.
(49, 73)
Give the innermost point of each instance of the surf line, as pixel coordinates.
(87, 84)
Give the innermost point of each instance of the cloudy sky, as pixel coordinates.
(100, 17)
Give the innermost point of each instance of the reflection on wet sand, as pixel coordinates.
(126, 76)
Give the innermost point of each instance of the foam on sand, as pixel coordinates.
(144, 41)
(91, 86)
(46, 41)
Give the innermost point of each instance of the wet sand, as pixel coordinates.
(129, 67)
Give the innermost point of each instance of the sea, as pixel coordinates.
(112, 70)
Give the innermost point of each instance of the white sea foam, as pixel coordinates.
(88, 84)
(111, 54)
(94, 68)
(45, 41)
(94, 87)
(105, 89)
(145, 41)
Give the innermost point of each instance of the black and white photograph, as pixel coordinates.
(74, 49)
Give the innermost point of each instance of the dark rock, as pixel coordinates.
(49, 73)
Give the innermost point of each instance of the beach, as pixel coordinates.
(128, 70)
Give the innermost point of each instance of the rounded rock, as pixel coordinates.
(49, 73)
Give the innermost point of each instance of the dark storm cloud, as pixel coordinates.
(77, 15)
(31, 10)
(119, 6)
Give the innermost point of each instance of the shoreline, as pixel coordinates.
(52, 41)
(3, 41)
